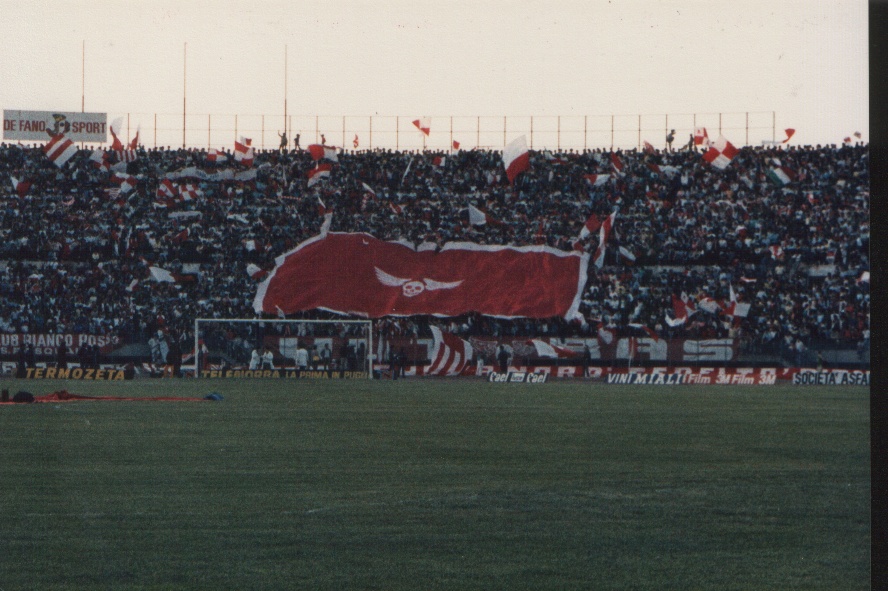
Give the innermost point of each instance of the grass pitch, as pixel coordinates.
(436, 485)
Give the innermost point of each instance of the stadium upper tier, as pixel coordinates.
(785, 230)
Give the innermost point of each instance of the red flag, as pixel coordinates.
(374, 278)
(214, 155)
(650, 331)
(544, 349)
(449, 355)
(355, 141)
(424, 125)
(516, 158)
(116, 144)
(789, 134)
(439, 161)
(648, 147)
(603, 234)
(720, 153)
(455, 145)
(133, 145)
(700, 136)
(592, 224)
(319, 152)
(616, 163)
(597, 180)
(21, 187)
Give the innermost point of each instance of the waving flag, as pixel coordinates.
(256, 272)
(544, 349)
(616, 163)
(516, 158)
(127, 182)
(243, 152)
(319, 173)
(439, 161)
(648, 147)
(450, 354)
(605, 334)
(480, 218)
(60, 149)
(593, 223)
(701, 138)
(115, 126)
(721, 153)
(355, 141)
(99, 159)
(789, 133)
(664, 170)
(603, 234)
(166, 189)
(369, 189)
(455, 145)
(133, 145)
(597, 180)
(189, 192)
(373, 278)
(321, 152)
(780, 175)
(20, 187)
(424, 125)
(214, 155)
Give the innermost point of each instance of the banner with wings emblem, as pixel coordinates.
(360, 275)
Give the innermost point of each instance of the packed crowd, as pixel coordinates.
(75, 249)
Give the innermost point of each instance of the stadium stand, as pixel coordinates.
(76, 246)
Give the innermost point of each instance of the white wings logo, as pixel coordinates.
(410, 287)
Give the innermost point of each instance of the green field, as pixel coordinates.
(436, 485)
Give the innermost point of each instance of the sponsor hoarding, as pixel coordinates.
(40, 126)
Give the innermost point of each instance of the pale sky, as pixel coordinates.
(804, 61)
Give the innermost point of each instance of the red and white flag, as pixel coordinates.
(648, 330)
(115, 126)
(166, 189)
(243, 151)
(189, 192)
(20, 187)
(720, 153)
(439, 161)
(449, 355)
(648, 147)
(544, 349)
(776, 252)
(134, 144)
(701, 138)
(124, 156)
(355, 141)
(126, 182)
(214, 155)
(321, 152)
(516, 158)
(480, 218)
(597, 180)
(319, 173)
(375, 278)
(662, 170)
(605, 334)
(616, 163)
(592, 224)
(369, 189)
(99, 159)
(603, 234)
(60, 149)
(626, 254)
(424, 125)
(735, 308)
(256, 272)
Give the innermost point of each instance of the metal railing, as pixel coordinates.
(562, 133)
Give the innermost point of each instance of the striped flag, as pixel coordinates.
(450, 354)
(127, 182)
(780, 175)
(616, 163)
(214, 155)
(593, 223)
(243, 152)
(60, 149)
(597, 180)
(701, 138)
(544, 349)
(256, 272)
(603, 234)
(99, 159)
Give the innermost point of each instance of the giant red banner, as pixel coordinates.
(361, 275)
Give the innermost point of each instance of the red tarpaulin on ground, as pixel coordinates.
(361, 275)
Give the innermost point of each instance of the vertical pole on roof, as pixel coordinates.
(317, 129)
(638, 145)
(719, 124)
(666, 130)
(612, 133)
(451, 133)
(585, 132)
(262, 141)
(343, 132)
(773, 126)
(478, 136)
(184, 88)
(531, 132)
(127, 127)
(747, 128)
(370, 145)
(83, 77)
(397, 134)
(235, 128)
(155, 130)
(209, 127)
(285, 90)
(558, 136)
(504, 131)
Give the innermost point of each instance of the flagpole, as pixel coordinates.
(184, 88)
(83, 77)
(285, 89)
